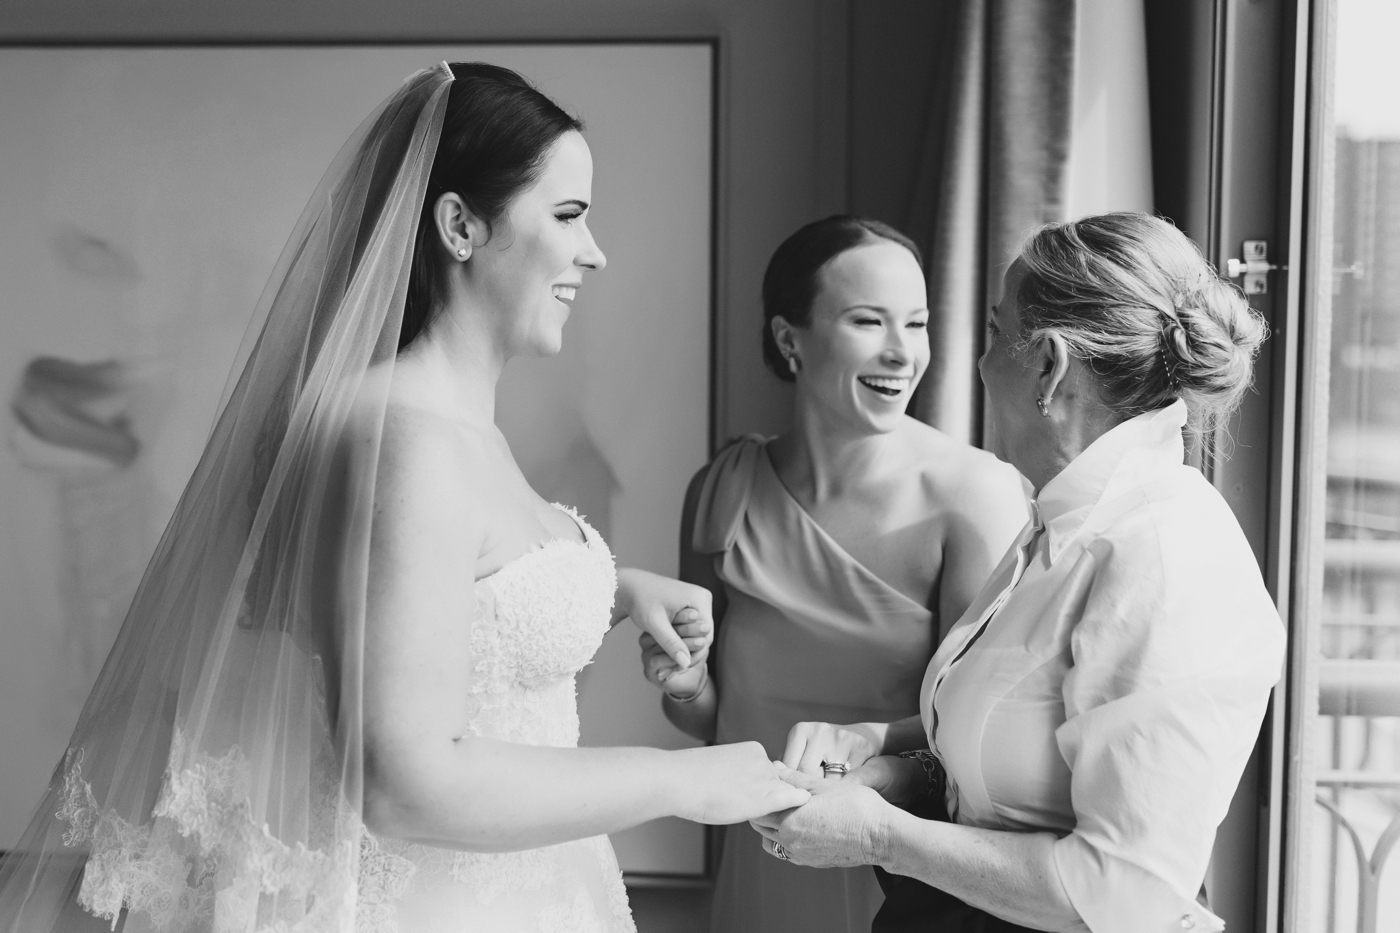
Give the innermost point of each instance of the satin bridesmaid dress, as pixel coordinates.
(809, 634)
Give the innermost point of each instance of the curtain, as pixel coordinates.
(995, 166)
(1035, 111)
(1110, 160)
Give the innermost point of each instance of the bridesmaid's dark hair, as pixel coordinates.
(790, 282)
(496, 133)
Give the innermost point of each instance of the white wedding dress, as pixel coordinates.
(200, 865)
(214, 780)
(540, 619)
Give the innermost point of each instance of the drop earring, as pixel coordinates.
(794, 364)
(1043, 404)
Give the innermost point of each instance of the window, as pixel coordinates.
(1350, 738)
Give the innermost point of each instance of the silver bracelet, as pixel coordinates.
(704, 682)
(933, 772)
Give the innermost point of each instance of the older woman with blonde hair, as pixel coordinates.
(1089, 716)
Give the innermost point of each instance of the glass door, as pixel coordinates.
(1342, 870)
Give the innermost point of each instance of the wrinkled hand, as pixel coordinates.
(724, 784)
(657, 605)
(842, 826)
(811, 743)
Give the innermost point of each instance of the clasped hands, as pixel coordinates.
(845, 821)
(677, 624)
(676, 620)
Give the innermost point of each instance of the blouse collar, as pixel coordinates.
(1119, 457)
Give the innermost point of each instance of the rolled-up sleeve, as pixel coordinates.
(1172, 662)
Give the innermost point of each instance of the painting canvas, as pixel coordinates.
(147, 194)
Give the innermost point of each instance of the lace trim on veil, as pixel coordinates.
(203, 855)
(123, 869)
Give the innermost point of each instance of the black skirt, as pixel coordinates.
(914, 907)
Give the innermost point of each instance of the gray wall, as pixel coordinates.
(782, 103)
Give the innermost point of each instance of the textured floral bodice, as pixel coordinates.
(540, 619)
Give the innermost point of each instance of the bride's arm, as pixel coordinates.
(485, 795)
(426, 777)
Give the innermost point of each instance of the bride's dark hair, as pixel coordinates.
(496, 133)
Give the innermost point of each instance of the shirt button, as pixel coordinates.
(1187, 921)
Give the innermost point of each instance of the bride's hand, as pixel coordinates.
(723, 784)
(657, 605)
(810, 744)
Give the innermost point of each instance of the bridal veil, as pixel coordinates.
(213, 781)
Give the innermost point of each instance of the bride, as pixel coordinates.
(343, 699)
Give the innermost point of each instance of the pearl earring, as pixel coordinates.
(1043, 403)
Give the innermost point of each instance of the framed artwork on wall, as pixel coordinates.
(148, 192)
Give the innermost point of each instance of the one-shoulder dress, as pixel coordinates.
(540, 619)
(809, 634)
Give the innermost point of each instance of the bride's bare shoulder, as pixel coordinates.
(403, 425)
(432, 483)
(419, 459)
(421, 446)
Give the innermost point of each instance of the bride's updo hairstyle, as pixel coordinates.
(1134, 299)
(790, 283)
(496, 133)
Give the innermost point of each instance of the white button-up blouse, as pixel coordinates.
(1109, 682)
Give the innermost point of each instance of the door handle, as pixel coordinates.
(1254, 267)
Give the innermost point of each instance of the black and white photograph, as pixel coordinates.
(699, 466)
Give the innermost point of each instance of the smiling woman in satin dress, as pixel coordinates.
(837, 552)
(1086, 721)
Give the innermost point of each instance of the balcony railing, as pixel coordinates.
(1370, 689)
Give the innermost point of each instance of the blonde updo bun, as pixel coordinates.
(1134, 299)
